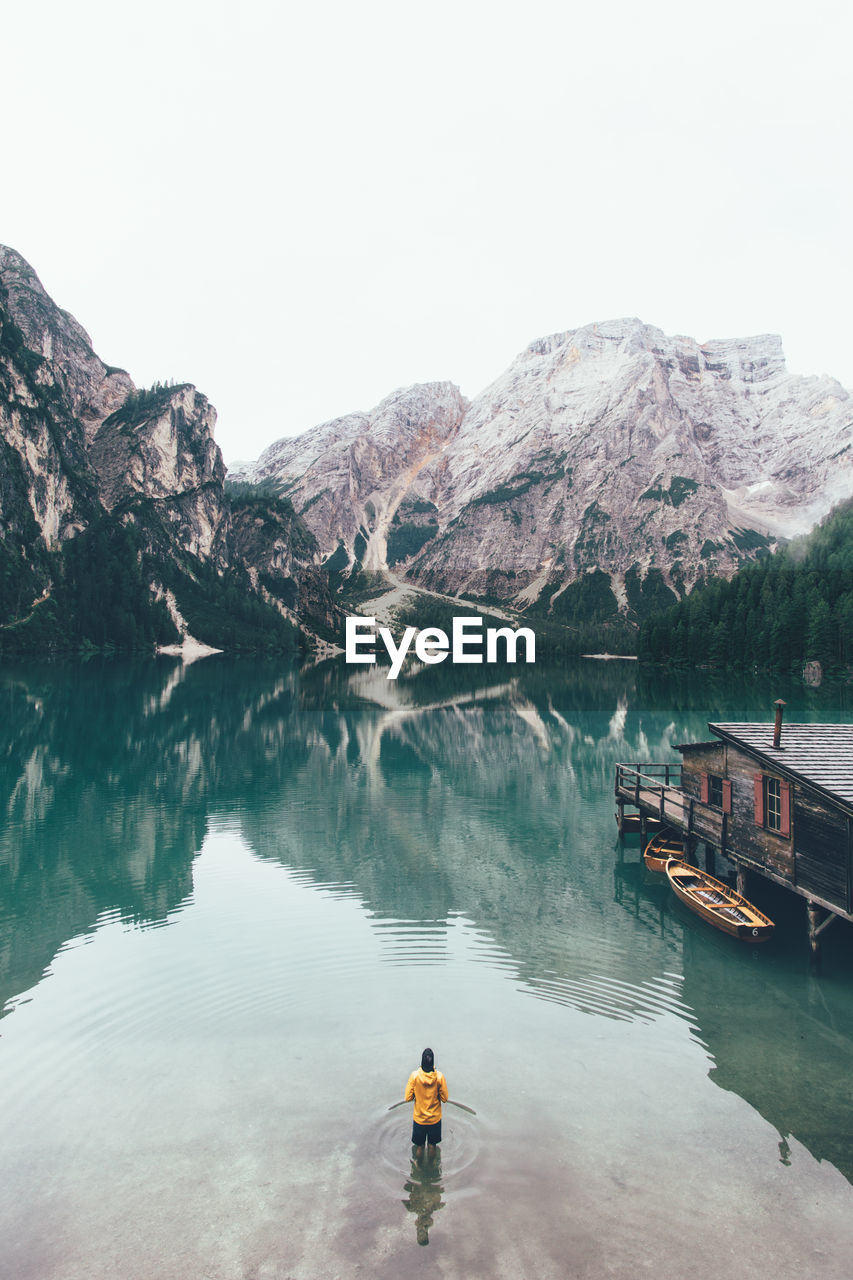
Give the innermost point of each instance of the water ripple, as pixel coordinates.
(462, 1137)
(413, 942)
(609, 997)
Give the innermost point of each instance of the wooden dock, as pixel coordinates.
(655, 791)
(649, 796)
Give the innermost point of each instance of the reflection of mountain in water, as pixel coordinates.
(99, 811)
(110, 771)
(492, 803)
(447, 794)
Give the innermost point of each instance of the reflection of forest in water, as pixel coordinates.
(454, 792)
(780, 1037)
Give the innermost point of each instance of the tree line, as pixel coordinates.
(781, 611)
(100, 598)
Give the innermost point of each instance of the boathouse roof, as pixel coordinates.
(818, 754)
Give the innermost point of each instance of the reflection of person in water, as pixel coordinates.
(428, 1088)
(425, 1192)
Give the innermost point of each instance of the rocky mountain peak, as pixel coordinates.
(747, 360)
(94, 389)
(134, 474)
(347, 477)
(741, 360)
(613, 448)
(159, 446)
(411, 417)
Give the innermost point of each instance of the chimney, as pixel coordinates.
(777, 728)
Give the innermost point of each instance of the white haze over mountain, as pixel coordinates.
(301, 208)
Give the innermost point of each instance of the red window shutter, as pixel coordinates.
(785, 805)
(727, 797)
(758, 781)
(705, 788)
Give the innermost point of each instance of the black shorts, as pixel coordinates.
(423, 1134)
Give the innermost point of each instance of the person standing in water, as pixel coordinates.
(428, 1088)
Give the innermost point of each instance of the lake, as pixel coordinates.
(238, 899)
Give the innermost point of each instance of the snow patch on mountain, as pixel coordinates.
(612, 447)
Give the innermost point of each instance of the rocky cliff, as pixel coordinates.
(348, 478)
(158, 446)
(92, 465)
(606, 471)
(612, 449)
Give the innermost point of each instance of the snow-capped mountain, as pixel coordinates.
(612, 447)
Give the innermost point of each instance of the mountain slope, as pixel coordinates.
(609, 448)
(112, 503)
(348, 477)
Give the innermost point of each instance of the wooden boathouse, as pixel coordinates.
(773, 799)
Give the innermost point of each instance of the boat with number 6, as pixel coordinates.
(662, 846)
(717, 903)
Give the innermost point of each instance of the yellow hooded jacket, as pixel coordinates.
(429, 1090)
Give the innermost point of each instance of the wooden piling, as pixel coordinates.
(813, 916)
(816, 927)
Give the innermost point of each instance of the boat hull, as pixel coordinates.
(717, 903)
(660, 849)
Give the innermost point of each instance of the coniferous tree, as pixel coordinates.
(780, 611)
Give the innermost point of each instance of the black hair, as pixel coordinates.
(427, 1060)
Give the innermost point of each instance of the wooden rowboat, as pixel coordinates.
(715, 902)
(660, 849)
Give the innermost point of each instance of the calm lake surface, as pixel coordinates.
(236, 901)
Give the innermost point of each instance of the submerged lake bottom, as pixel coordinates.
(235, 905)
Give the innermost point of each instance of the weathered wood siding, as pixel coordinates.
(817, 854)
(756, 843)
(707, 758)
(822, 849)
(743, 836)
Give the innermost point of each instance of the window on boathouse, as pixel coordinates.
(717, 791)
(773, 804)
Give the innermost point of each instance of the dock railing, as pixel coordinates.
(656, 791)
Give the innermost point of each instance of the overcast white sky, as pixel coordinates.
(301, 207)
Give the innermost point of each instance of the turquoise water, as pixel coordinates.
(237, 901)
